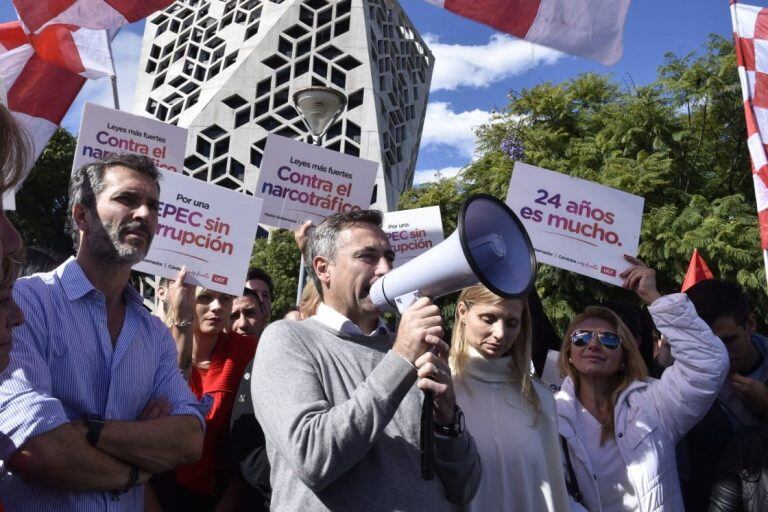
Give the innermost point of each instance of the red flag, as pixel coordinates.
(697, 271)
(750, 34)
(93, 14)
(589, 28)
(39, 93)
(45, 57)
(72, 33)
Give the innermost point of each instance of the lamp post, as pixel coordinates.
(319, 107)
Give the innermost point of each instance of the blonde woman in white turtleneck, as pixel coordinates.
(510, 414)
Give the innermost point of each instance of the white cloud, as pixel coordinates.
(481, 65)
(430, 175)
(126, 51)
(452, 132)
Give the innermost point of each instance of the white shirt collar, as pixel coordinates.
(328, 316)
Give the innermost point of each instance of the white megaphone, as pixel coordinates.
(490, 246)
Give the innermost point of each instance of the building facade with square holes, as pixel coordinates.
(226, 71)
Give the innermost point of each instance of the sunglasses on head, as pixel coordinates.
(583, 337)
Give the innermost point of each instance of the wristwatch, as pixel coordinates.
(95, 424)
(456, 427)
(181, 324)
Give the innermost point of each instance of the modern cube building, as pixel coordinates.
(226, 71)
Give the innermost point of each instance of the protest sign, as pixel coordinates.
(301, 182)
(576, 224)
(106, 131)
(208, 228)
(412, 232)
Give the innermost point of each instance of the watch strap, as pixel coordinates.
(95, 424)
(455, 428)
(133, 479)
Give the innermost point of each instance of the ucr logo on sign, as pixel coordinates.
(216, 278)
(608, 271)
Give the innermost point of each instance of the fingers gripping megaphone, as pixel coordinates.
(490, 246)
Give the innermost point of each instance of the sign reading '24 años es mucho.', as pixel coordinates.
(576, 224)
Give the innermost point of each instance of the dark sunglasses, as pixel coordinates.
(583, 337)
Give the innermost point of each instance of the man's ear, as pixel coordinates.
(322, 267)
(751, 323)
(80, 215)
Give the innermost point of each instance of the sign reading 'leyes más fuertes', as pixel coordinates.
(299, 182)
(208, 228)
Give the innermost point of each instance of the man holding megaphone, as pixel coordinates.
(335, 394)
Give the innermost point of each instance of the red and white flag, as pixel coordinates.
(589, 28)
(73, 33)
(82, 51)
(38, 93)
(45, 58)
(750, 33)
(94, 14)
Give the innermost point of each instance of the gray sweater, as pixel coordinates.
(341, 419)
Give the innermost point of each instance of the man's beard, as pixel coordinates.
(105, 242)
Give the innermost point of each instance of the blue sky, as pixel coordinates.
(476, 67)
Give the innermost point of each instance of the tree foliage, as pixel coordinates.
(41, 204)
(279, 256)
(680, 142)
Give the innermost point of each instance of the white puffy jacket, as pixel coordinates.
(651, 416)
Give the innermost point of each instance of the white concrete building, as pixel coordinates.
(226, 70)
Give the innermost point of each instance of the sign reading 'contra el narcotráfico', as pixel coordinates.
(301, 182)
(106, 131)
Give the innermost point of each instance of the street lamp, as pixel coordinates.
(319, 107)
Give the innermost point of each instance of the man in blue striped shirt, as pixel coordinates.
(93, 401)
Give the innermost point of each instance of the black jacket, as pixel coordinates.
(742, 482)
(248, 448)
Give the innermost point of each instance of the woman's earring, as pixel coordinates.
(623, 367)
(570, 359)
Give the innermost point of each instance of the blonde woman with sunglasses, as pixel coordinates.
(620, 427)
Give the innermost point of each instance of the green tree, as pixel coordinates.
(41, 204)
(680, 142)
(280, 258)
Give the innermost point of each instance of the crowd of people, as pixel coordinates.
(206, 405)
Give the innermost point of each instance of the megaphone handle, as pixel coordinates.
(427, 447)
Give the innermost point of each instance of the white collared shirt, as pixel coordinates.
(329, 317)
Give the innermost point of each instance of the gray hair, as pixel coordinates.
(324, 239)
(87, 183)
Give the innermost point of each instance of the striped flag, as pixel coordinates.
(750, 33)
(73, 33)
(93, 14)
(46, 57)
(589, 28)
(38, 92)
